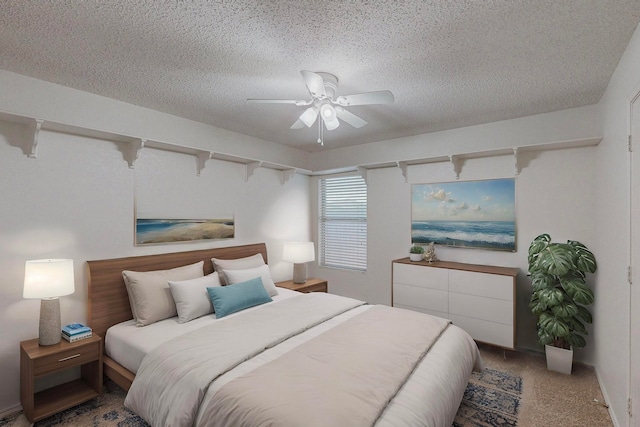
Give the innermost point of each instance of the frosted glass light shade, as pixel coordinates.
(328, 112)
(48, 278)
(298, 252)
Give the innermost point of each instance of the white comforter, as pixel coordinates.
(170, 394)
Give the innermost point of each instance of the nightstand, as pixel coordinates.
(311, 285)
(38, 361)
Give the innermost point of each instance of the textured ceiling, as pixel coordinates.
(448, 63)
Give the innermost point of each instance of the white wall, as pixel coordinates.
(554, 194)
(76, 200)
(611, 310)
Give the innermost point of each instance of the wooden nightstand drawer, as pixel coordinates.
(73, 356)
(316, 287)
(311, 285)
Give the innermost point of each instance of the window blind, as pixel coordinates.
(343, 223)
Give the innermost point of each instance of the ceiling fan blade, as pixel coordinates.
(314, 83)
(366, 98)
(350, 118)
(299, 124)
(297, 102)
(331, 124)
(309, 116)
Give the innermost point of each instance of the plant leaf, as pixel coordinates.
(586, 261)
(578, 291)
(551, 297)
(544, 337)
(577, 340)
(584, 314)
(565, 309)
(538, 244)
(536, 305)
(556, 259)
(554, 325)
(577, 326)
(540, 280)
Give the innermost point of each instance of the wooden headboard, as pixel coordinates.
(108, 300)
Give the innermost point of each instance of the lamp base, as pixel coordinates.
(50, 330)
(299, 273)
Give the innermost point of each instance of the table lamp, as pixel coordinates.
(299, 253)
(48, 279)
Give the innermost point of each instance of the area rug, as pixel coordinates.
(492, 398)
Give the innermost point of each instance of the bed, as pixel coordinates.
(300, 359)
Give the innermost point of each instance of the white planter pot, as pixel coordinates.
(559, 359)
(415, 257)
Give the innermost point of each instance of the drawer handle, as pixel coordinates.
(69, 358)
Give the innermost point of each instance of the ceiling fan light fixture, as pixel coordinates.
(324, 104)
(328, 112)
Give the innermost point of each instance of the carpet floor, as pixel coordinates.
(515, 389)
(549, 398)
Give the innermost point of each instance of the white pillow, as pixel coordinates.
(149, 292)
(191, 297)
(238, 276)
(221, 265)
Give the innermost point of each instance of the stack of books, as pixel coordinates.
(75, 332)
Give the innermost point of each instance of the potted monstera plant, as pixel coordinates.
(560, 296)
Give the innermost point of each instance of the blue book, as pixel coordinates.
(75, 329)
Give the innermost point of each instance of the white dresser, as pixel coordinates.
(478, 298)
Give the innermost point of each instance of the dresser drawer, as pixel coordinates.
(482, 308)
(423, 310)
(422, 298)
(485, 331)
(481, 284)
(73, 356)
(424, 277)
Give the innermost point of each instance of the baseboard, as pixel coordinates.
(612, 415)
(11, 411)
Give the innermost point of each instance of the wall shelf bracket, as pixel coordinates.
(364, 173)
(456, 164)
(132, 151)
(201, 159)
(287, 174)
(516, 162)
(33, 129)
(249, 169)
(403, 169)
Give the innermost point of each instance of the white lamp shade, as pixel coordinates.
(298, 252)
(48, 278)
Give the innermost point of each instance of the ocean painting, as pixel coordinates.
(155, 231)
(471, 214)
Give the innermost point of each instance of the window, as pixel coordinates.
(343, 223)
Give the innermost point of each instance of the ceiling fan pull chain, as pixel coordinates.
(320, 133)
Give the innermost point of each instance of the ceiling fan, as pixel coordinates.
(325, 104)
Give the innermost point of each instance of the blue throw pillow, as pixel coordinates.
(232, 298)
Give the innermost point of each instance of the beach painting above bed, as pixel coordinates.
(150, 231)
(470, 214)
